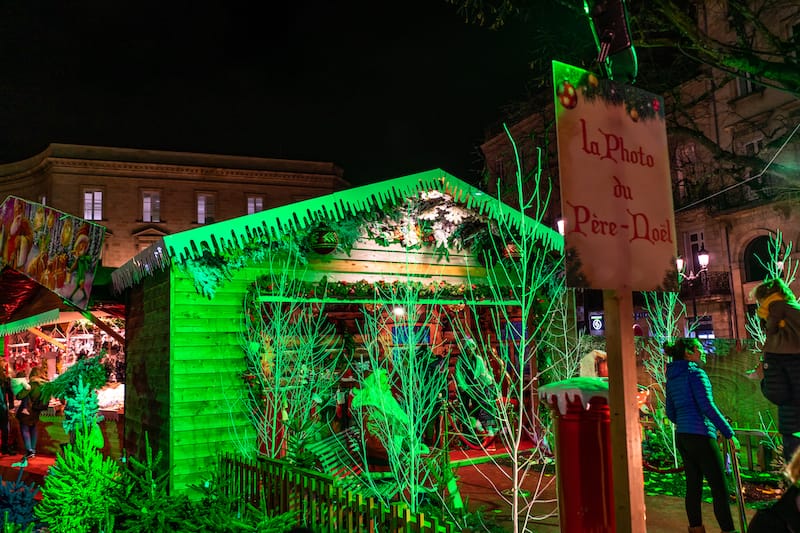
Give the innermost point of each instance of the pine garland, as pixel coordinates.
(90, 370)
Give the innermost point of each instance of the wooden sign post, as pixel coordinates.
(626, 438)
(616, 200)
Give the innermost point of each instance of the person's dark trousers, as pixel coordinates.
(5, 444)
(790, 445)
(703, 458)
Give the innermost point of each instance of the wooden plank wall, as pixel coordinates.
(147, 359)
(371, 262)
(207, 409)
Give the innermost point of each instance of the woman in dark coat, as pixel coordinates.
(690, 406)
(6, 405)
(779, 309)
(33, 403)
(784, 515)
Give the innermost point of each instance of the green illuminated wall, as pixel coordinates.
(184, 372)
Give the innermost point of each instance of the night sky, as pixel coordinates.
(383, 89)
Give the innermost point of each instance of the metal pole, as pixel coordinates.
(737, 477)
(693, 329)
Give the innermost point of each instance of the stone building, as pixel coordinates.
(729, 206)
(143, 195)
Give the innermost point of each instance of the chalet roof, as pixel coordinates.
(264, 226)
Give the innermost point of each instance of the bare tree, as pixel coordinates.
(778, 264)
(563, 345)
(291, 352)
(505, 340)
(399, 399)
(752, 46)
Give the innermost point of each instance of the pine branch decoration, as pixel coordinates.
(146, 504)
(80, 490)
(17, 500)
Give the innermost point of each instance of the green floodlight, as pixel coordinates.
(612, 34)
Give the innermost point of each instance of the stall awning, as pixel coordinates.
(48, 317)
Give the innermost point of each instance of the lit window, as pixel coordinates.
(205, 208)
(93, 205)
(151, 206)
(255, 204)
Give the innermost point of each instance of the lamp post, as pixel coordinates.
(702, 260)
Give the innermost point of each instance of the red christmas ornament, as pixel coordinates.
(656, 104)
(567, 95)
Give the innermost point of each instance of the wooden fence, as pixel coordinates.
(318, 502)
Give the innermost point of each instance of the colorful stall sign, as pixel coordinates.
(616, 194)
(57, 250)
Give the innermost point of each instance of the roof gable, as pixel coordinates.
(223, 237)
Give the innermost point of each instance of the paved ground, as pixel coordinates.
(482, 483)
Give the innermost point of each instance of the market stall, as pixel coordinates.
(186, 293)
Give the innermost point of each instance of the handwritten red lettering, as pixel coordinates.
(611, 146)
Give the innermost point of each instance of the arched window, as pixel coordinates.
(757, 249)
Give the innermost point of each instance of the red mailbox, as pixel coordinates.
(582, 424)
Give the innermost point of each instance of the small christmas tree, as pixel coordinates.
(146, 505)
(83, 486)
(16, 502)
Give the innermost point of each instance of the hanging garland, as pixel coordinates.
(381, 290)
(431, 219)
(638, 105)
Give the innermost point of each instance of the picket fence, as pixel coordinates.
(317, 501)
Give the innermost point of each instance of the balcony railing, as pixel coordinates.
(763, 189)
(708, 284)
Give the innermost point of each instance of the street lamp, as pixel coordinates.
(702, 260)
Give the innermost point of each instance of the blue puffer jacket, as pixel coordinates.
(690, 404)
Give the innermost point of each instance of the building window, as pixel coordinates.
(745, 85)
(753, 146)
(92, 204)
(694, 243)
(206, 212)
(151, 206)
(255, 204)
(756, 254)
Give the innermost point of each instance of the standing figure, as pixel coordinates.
(780, 367)
(32, 404)
(475, 387)
(690, 406)
(6, 405)
(784, 514)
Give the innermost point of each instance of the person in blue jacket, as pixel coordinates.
(690, 406)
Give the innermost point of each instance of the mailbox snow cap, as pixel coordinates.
(584, 387)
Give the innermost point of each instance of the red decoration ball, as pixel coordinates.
(567, 95)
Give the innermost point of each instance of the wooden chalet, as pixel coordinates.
(185, 297)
